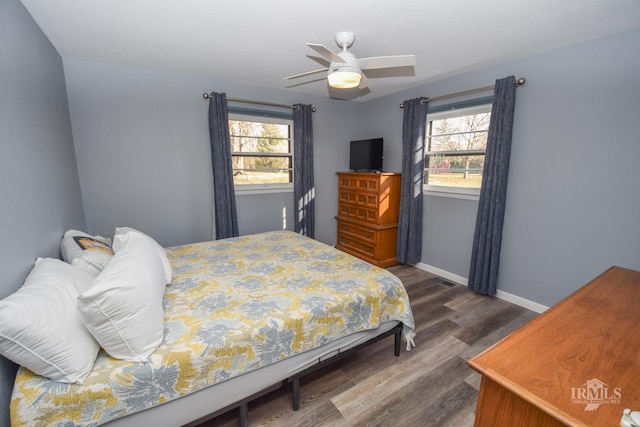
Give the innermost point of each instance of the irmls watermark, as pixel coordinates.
(594, 393)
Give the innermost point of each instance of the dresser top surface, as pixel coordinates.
(580, 360)
(368, 173)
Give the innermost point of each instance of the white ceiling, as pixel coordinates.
(259, 42)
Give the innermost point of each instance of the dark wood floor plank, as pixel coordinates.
(415, 405)
(431, 385)
(391, 382)
(498, 333)
(487, 323)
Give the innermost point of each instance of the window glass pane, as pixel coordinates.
(252, 128)
(260, 162)
(241, 144)
(243, 177)
(455, 171)
(460, 133)
(249, 139)
(272, 145)
(456, 147)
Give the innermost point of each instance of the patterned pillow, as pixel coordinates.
(87, 252)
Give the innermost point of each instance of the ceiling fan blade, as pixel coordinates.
(376, 62)
(364, 82)
(391, 72)
(326, 53)
(308, 73)
(348, 94)
(322, 61)
(306, 82)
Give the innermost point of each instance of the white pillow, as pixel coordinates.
(123, 308)
(168, 272)
(87, 252)
(40, 327)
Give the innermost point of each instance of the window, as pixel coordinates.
(455, 147)
(261, 152)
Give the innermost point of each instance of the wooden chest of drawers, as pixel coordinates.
(576, 364)
(368, 205)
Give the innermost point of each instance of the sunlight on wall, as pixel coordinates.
(284, 217)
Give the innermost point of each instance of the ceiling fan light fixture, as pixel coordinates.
(345, 71)
(341, 78)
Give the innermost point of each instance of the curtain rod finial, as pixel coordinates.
(520, 81)
(206, 95)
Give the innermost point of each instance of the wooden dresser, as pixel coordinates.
(368, 205)
(576, 364)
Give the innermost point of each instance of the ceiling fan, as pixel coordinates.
(345, 71)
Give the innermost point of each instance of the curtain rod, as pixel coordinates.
(249, 101)
(518, 82)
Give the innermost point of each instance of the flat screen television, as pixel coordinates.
(365, 155)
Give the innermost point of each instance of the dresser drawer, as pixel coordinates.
(350, 231)
(377, 246)
(362, 199)
(359, 183)
(368, 215)
(355, 244)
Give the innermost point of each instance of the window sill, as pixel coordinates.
(262, 189)
(453, 193)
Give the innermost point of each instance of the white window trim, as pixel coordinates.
(247, 189)
(454, 192)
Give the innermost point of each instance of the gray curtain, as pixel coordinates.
(226, 216)
(303, 186)
(409, 239)
(487, 239)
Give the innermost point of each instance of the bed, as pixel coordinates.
(240, 315)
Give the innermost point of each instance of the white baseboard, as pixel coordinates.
(442, 273)
(506, 296)
(522, 302)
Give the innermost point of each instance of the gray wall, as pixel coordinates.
(572, 201)
(263, 212)
(143, 160)
(39, 189)
(142, 143)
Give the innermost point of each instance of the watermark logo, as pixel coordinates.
(594, 393)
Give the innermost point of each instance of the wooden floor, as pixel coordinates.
(431, 385)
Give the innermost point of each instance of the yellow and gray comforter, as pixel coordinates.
(235, 305)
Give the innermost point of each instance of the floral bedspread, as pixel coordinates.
(235, 305)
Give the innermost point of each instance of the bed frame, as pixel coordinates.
(196, 404)
(294, 380)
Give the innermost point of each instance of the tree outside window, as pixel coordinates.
(456, 144)
(261, 151)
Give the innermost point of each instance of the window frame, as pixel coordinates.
(481, 105)
(265, 117)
